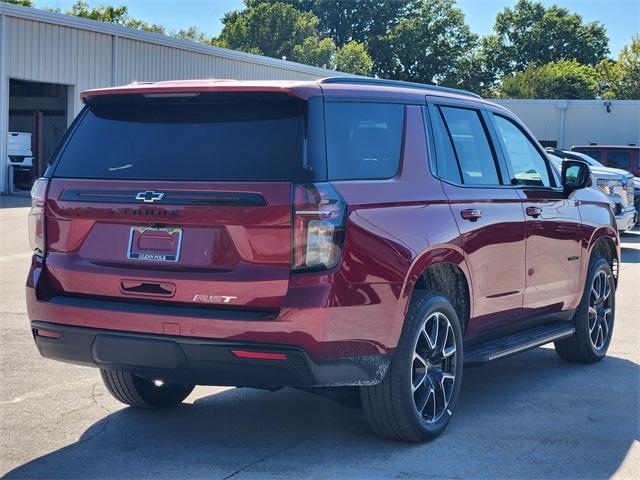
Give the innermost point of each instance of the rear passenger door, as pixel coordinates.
(487, 210)
(553, 223)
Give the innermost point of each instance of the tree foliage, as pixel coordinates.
(271, 29)
(566, 79)
(193, 34)
(315, 51)
(351, 20)
(279, 30)
(353, 58)
(429, 46)
(22, 3)
(110, 14)
(530, 33)
(620, 79)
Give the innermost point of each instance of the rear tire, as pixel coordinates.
(140, 392)
(594, 317)
(417, 397)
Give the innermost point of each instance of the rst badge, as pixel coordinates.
(214, 298)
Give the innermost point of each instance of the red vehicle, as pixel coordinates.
(337, 235)
(625, 157)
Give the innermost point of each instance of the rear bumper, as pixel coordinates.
(201, 361)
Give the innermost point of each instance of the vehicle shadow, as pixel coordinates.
(530, 416)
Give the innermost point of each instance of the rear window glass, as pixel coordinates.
(363, 139)
(211, 137)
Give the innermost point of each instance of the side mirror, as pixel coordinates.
(575, 175)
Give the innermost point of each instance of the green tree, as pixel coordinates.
(429, 46)
(315, 51)
(22, 3)
(531, 33)
(193, 34)
(353, 58)
(565, 79)
(364, 21)
(278, 30)
(348, 20)
(620, 79)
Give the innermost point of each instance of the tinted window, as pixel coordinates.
(209, 138)
(527, 165)
(446, 163)
(596, 155)
(619, 159)
(471, 147)
(363, 139)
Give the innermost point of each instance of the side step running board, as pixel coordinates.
(518, 342)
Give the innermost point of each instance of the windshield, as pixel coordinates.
(211, 137)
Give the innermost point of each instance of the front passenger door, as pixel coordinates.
(488, 213)
(553, 223)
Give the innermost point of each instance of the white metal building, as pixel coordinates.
(47, 59)
(564, 123)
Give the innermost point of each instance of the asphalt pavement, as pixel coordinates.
(529, 416)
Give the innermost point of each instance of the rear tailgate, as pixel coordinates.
(182, 200)
(201, 243)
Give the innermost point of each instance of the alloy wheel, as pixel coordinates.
(600, 309)
(433, 369)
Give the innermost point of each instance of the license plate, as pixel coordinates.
(154, 244)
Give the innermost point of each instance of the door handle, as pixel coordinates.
(471, 214)
(534, 211)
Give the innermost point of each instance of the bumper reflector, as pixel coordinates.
(259, 355)
(46, 333)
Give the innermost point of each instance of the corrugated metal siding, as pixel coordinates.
(144, 61)
(43, 52)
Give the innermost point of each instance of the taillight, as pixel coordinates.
(319, 218)
(37, 216)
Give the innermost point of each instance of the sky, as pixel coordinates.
(621, 17)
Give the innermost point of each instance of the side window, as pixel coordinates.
(619, 159)
(468, 138)
(527, 164)
(363, 139)
(446, 163)
(595, 154)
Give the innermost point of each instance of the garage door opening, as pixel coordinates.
(37, 122)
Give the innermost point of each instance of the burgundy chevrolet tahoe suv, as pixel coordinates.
(337, 235)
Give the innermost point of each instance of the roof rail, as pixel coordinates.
(397, 83)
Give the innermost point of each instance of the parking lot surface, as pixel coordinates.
(529, 416)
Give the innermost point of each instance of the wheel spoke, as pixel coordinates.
(607, 289)
(419, 371)
(595, 289)
(432, 336)
(449, 345)
(593, 319)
